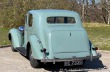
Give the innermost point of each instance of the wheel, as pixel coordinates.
(13, 49)
(34, 63)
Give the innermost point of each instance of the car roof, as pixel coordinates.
(50, 11)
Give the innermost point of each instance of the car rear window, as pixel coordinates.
(61, 20)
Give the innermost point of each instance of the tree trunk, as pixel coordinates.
(109, 17)
(108, 12)
(93, 4)
(83, 10)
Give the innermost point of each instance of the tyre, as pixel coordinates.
(34, 63)
(13, 49)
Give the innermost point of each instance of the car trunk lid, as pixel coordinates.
(66, 44)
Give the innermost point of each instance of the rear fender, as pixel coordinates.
(36, 47)
(94, 53)
(15, 37)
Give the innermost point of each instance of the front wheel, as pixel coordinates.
(13, 49)
(34, 63)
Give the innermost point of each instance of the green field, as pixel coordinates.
(99, 34)
(4, 36)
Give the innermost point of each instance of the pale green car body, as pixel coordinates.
(63, 42)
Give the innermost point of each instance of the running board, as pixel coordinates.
(22, 50)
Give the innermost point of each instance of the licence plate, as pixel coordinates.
(75, 62)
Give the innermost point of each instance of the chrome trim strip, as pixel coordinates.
(71, 59)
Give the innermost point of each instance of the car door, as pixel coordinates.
(28, 27)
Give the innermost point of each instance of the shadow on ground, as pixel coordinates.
(96, 64)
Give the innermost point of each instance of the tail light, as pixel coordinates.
(43, 50)
(96, 48)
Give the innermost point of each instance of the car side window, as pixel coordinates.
(30, 20)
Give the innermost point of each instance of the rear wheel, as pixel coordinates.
(34, 63)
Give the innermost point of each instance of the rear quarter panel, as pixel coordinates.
(36, 47)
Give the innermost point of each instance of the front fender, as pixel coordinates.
(36, 47)
(15, 37)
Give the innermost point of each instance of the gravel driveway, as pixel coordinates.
(15, 62)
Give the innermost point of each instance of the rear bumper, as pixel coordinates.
(71, 59)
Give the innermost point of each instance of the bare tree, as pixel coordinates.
(87, 3)
(106, 10)
(93, 4)
(83, 9)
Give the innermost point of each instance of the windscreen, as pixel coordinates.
(61, 20)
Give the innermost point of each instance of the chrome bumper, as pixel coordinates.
(71, 59)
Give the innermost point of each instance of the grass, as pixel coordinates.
(4, 36)
(98, 33)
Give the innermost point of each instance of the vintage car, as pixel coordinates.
(53, 36)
